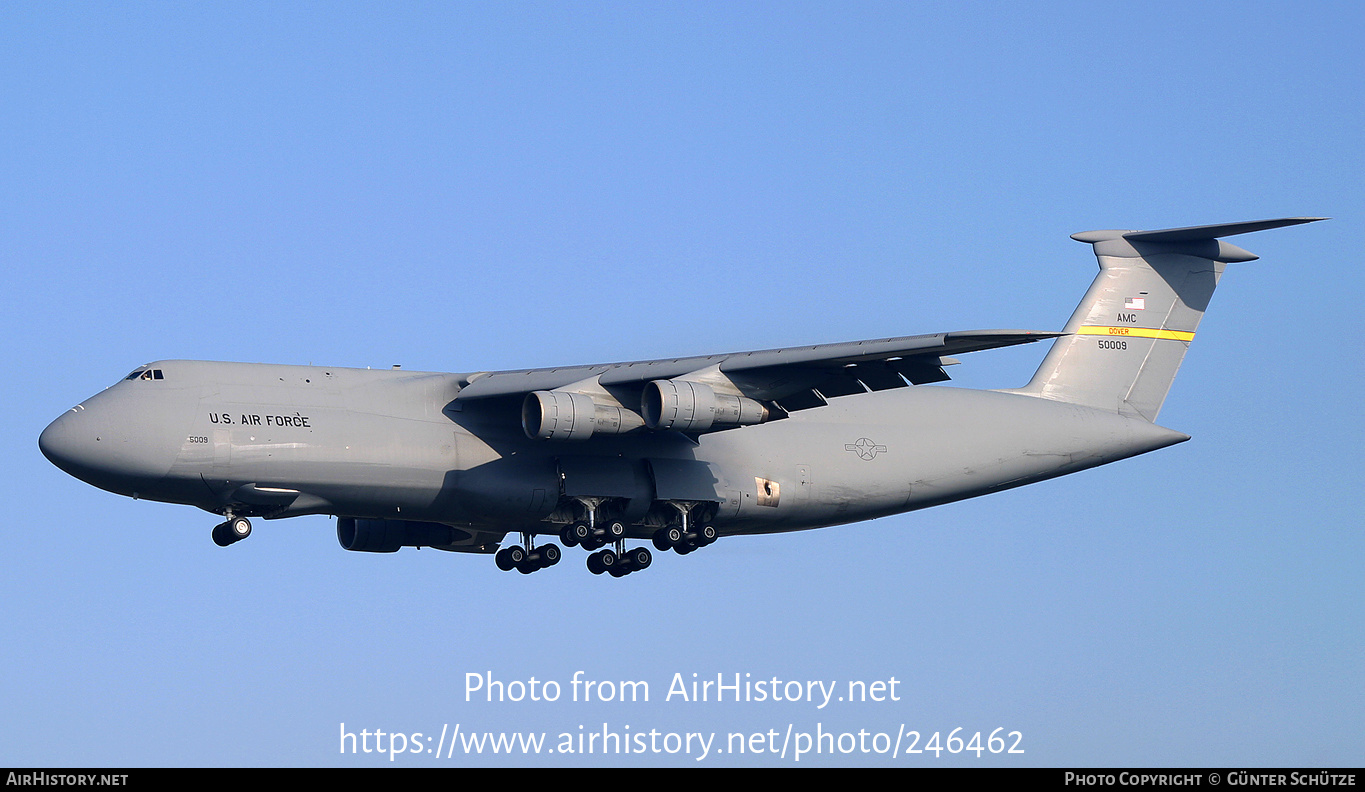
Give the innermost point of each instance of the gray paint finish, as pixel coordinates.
(840, 434)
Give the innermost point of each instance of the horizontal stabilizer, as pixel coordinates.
(1193, 233)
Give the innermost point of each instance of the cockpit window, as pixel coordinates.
(145, 374)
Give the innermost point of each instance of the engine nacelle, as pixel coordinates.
(387, 536)
(564, 415)
(695, 407)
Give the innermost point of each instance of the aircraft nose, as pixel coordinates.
(103, 443)
(60, 445)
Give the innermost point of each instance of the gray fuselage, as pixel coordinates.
(282, 441)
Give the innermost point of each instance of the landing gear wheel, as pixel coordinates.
(706, 535)
(600, 562)
(234, 530)
(221, 537)
(500, 558)
(550, 555)
(640, 558)
(667, 538)
(576, 533)
(615, 530)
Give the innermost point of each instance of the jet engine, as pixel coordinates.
(568, 415)
(696, 407)
(387, 536)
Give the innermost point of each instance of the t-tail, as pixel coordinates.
(1128, 336)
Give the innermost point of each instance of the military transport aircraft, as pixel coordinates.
(677, 452)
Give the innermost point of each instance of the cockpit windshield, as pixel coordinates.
(145, 374)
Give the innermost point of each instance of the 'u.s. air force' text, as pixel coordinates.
(734, 687)
(260, 419)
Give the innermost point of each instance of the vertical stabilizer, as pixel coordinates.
(1130, 333)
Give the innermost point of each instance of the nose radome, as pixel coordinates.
(59, 444)
(123, 439)
(113, 442)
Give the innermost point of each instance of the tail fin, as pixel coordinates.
(1127, 338)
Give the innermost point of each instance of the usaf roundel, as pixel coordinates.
(865, 448)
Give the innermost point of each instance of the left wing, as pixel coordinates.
(712, 392)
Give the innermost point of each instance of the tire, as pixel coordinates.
(222, 536)
(239, 527)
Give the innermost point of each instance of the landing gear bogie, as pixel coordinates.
(620, 564)
(684, 541)
(526, 560)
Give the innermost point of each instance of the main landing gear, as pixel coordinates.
(592, 536)
(619, 561)
(234, 530)
(683, 541)
(605, 541)
(683, 537)
(526, 557)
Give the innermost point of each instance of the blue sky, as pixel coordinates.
(460, 187)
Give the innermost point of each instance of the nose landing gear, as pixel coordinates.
(234, 530)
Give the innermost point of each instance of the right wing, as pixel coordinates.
(712, 392)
